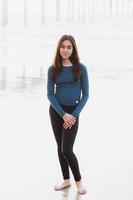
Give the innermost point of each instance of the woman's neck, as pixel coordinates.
(66, 62)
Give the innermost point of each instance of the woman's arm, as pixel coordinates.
(50, 94)
(85, 91)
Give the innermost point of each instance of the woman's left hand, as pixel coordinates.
(66, 125)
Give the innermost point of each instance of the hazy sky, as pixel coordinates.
(34, 8)
(91, 7)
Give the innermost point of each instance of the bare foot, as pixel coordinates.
(80, 187)
(66, 183)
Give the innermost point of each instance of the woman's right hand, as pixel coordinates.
(69, 119)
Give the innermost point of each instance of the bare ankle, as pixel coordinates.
(67, 180)
(78, 182)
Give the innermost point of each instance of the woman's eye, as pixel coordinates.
(67, 47)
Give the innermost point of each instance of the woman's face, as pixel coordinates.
(66, 49)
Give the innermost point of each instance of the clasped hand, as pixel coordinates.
(69, 120)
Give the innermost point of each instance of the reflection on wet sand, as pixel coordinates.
(67, 194)
(21, 83)
(3, 78)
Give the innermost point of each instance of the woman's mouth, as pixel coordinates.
(64, 54)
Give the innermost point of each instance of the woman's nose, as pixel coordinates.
(65, 49)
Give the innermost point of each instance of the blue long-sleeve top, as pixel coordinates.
(66, 91)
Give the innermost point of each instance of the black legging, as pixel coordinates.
(65, 140)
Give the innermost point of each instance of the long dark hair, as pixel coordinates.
(74, 59)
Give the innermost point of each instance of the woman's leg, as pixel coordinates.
(69, 136)
(57, 126)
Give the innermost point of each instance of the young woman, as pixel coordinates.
(66, 79)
